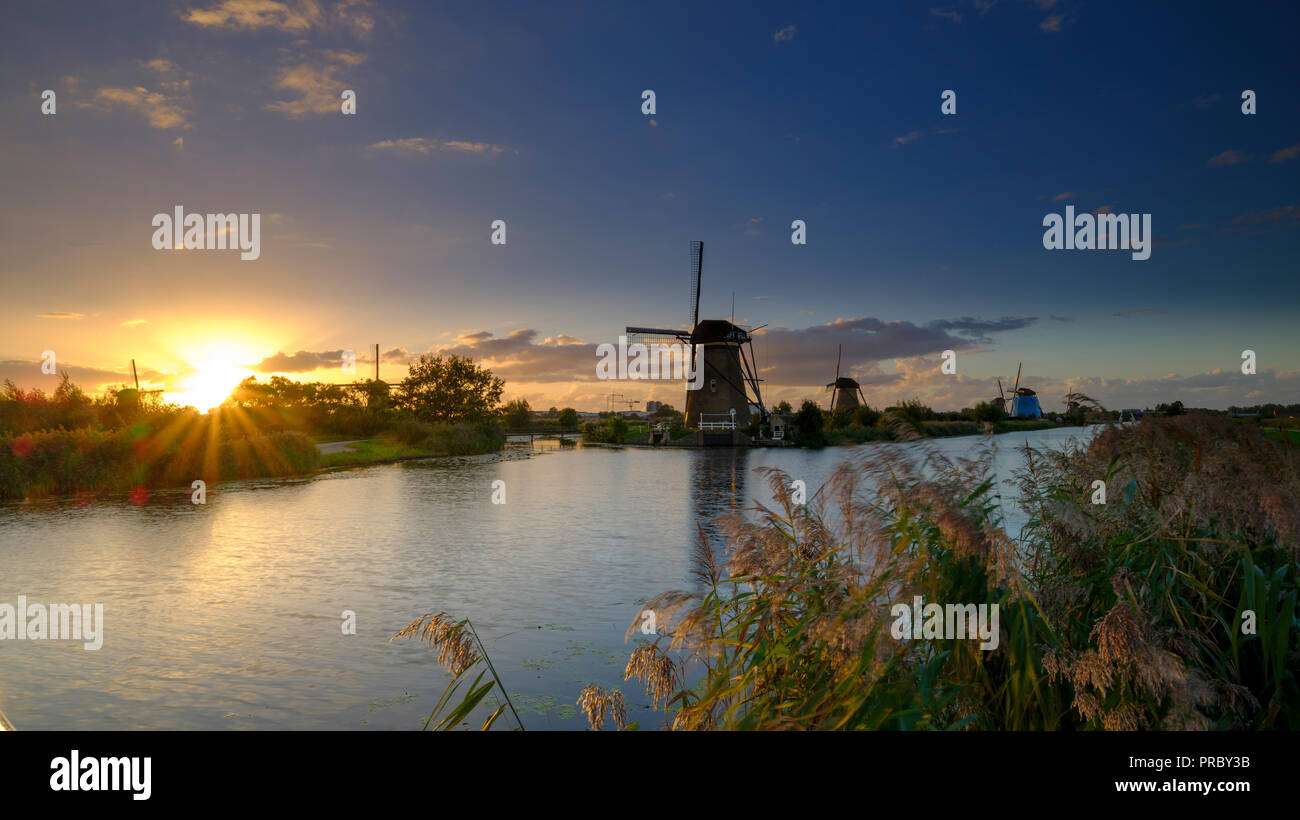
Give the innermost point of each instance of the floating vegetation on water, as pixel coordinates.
(405, 697)
(537, 664)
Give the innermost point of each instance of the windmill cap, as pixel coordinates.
(844, 382)
(714, 330)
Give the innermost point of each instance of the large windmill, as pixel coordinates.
(729, 375)
(846, 390)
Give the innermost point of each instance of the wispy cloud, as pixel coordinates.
(158, 109)
(947, 13)
(1064, 195)
(295, 17)
(1052, 23)
(1139, 312)
(911, 136)
(1229, 157)
(426, 146)
(315, 83)
(59, 314)
(1206, 101)
(1288, 153)
(785, 35)
(134, 322)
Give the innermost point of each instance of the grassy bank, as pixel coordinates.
(145, 457)
(142, 457)
(928, 429)
(423, 441)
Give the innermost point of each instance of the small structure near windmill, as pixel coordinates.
(846, 389)
(729, 373)
(1023, 401)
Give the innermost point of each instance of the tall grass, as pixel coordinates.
(1172, 605)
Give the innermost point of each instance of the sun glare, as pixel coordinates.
(213, 374)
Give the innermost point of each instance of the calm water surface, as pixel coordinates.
(228, 616)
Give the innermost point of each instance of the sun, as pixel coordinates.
(213, 373)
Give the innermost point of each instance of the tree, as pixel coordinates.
(809, 420)
(568, 417)
(518, 414)
(450, 389)
(783, 408)
(865, 416)
(372, 393)
(987, 411)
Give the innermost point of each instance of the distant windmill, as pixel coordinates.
(134, 395)
(728, 372)
(846, 390)
(1024, 402)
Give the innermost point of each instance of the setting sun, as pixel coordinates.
(215, 371)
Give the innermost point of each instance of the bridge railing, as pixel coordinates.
(717, 421)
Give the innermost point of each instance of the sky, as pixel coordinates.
(924, 230)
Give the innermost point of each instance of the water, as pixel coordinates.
(229, 615)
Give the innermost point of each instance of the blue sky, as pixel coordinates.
(924, 230)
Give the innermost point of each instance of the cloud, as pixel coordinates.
(304, 361)
(979, 329)
(1229, 157)
(295, 17)
(1138, 312)
(1206, 101)
(426, 146)
(785, 35)
(1065, 195)
(911, 136)
(315, 84)
(1056, 318)
(1105, 209)
(28, 375)
(134, 322)
(1051, 23)
(946, 13)
(1288, 153)
(984, 6)
(803, 357)
(159, 110)
(59, 314)
(1288, 215)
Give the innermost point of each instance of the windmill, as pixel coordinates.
(846, 390)
(133, 395)
(1001, 401)
(730, 376)
(1024, 402)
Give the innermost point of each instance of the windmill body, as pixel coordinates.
(846, 390)
(729, 375)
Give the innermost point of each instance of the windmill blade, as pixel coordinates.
(1017, 387)
(697, 273)
(837, 362)
(1002, 394)
(863, 397)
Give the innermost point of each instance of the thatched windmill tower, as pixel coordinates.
(846, 390)
(730, 375)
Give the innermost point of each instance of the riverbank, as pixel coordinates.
(141, 459)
